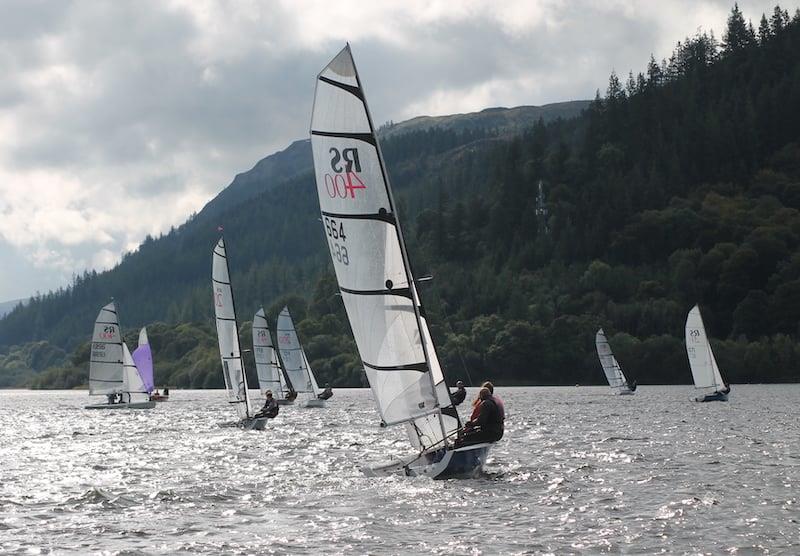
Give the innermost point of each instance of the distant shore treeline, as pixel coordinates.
(680, 185)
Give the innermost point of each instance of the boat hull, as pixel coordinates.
(314, 403)
(159, 398)
(715, 397)
(625, 392)
(250, 424)
(136, 405)
(446, 463)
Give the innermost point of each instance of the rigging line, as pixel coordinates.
(458, 347)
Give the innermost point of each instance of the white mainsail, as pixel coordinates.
(705, 370)
(616, 378)
(105, 362)
(293, 356)
(228, 333)
(267, 364)
(369, 257)
(132, 384)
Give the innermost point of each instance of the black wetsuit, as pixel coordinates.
(458, 396)
(488, 427)
(270, 409)
(327, 393)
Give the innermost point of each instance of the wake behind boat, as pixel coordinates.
(616, 378)
(112, 371)
(375, 281)
(705, 371)
(233, 371)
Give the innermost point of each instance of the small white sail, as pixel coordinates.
(616, 378)
(105, 360)
(267, 364)
(372, 270)
(228, 333)
(705, 370)
(133, 387)
(293, 356)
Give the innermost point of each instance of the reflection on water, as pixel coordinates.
(579, 471)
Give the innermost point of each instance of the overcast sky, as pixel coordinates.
(119, 119)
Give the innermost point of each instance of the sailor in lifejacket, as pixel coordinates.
(327, 393)
(486, 423)
(270, 409)
(460, 394)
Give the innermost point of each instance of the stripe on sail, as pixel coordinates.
(355, 91)
(421, 367)
(384, 216)
(365, 137)
(399, 292)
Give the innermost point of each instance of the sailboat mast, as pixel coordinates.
(238, 341)
(403, 251)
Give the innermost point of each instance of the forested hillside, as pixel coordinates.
(680, 185)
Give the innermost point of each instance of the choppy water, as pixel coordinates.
(579, 471)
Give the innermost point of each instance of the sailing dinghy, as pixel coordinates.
(705, 370)
(268, 367)
(143, 359)
(374, 276)
(233, 371)
(112, 371)
(616, 378)
(295, 361)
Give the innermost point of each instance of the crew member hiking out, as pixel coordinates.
(460, 394)
(486, 426)
(270, 409)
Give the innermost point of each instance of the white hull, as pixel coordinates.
(136, 405)
(625, 393)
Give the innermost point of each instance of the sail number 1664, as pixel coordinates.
(336, 239)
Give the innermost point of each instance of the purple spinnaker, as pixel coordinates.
(143, 358)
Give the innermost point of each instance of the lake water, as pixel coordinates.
(579, 472)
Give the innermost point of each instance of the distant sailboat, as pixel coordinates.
(375, 280)
(112, 371)
(268, 367)
(143, 358)
(233, 371)
(705, 370)
(616, 378)
(295, 362)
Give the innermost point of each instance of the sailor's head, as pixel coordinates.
(489, 386)
(460, 384)
(268, 393)
(484, 394)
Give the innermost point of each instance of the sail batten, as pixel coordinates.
(370, 259)
(233, 371)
